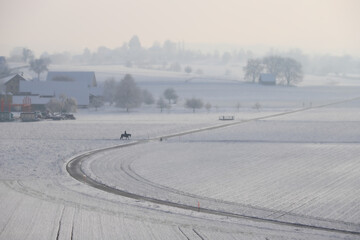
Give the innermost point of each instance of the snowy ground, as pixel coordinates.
(298, 167)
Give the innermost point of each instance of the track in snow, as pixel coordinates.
(74, 169)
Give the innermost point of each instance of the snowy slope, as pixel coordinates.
(303, 164)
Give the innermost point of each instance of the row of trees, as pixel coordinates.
(286, 70)
(4, 68)
(168, 54)
(173, 56)
(39, 65)
(126, 94)
(36, 65)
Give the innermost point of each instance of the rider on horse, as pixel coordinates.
(125, 135)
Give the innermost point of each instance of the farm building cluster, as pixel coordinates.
(24, 94)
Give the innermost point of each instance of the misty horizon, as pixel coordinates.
(321, 27)
(205, 48)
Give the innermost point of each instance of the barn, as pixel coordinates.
(79, 85)
(267, 79)
(12, 84)
(87, 78)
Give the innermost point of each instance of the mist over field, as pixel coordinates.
(206, 38)
(179, 119)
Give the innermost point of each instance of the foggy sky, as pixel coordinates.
(321, 26)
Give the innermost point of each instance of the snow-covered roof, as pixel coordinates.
(86, 77)
(267, 78)
(78, 90)
(8, 78)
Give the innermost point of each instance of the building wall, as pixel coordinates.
(267, 83)
(267, 79)
(13, 85)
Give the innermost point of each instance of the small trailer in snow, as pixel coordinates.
(226, 118)
(29, 116)
(6, 117)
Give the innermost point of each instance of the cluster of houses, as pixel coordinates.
(21, 92)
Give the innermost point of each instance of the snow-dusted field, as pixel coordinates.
(303, 166)
(292, 168)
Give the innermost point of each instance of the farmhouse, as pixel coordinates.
(267, 79)
(12, 84)
(80, 85)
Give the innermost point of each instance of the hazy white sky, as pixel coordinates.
(71, 25)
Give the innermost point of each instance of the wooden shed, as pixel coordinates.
(267, 79)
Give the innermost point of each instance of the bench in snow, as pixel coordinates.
(226, 118)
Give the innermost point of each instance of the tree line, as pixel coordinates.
(173, 56)
(127, 94)
(286, 70)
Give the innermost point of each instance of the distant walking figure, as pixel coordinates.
(125, 135)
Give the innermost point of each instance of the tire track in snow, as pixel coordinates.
(73, 167)
(59, 226)
(197, 233)
(183, 233)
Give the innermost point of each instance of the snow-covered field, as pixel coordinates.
(299, 167)
(225, 92)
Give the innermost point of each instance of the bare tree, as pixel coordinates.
(4, 69)
(161, 103)
(286, 69)
(109, 90)
(253, 69)
(39, 65)
(128, 94)
(27, 55)
(63, 104)
(194, 103)
(274, 65)
(170, 94)
(54, 105)
(68, 104)
(292, 71)
(96, 102)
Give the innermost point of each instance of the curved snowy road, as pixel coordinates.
(136, 187)
(183, 200)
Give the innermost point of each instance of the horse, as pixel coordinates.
(125, 135)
